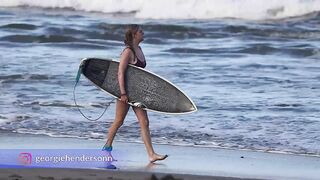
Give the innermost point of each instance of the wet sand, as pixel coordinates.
(132, 162)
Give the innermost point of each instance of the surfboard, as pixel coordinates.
(144, 89)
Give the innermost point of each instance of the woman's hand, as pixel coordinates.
(124, 98)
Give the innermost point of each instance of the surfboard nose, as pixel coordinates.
(192, 107)
(186, 105)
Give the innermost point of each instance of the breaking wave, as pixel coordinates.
(188, 9)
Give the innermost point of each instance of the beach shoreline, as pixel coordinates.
(182, 163)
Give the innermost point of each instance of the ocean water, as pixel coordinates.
(251, 67)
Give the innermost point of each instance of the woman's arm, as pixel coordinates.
(124, 61)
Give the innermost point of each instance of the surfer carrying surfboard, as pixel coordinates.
(132, 54)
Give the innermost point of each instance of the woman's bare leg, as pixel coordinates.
(145, 134)
(121, 112)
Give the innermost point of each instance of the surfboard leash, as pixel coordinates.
(75, 102)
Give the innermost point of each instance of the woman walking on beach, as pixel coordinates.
(132, 54)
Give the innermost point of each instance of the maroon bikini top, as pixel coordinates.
(139, 63)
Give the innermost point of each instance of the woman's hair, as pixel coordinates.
(131, 30)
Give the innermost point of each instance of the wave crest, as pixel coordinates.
(188, 9)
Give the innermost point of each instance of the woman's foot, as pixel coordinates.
(157, 157)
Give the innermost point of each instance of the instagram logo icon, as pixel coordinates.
(25, 158)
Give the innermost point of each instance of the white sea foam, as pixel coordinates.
(184, 9)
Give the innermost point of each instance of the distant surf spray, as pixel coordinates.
(187, 9)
